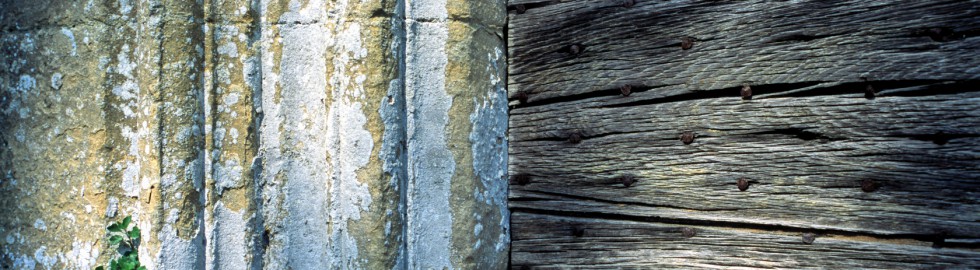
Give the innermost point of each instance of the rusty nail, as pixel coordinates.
(628, 180)
(746, 92)
(941, 138)
(687, 137)
(578, 231)
(868, 185)
(521, 9)
(809, 237)
(575, 137)
(626, 90)
(869, 91)
(742, 184)
(521, 178)
(687, 43)
(628, 3)
(689, 232)
(940, 33)
(575, 49)
(522, 97)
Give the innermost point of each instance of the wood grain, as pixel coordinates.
(863, 127)
(554, 242)
(737, 42)
(805, 159)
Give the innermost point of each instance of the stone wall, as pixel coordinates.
(303, 134)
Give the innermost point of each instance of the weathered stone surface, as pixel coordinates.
(476, 74)
(53, 197)
(254, 134)
(456, 135)
(135, 150)
(334, 195)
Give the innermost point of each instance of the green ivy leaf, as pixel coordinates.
(135, 233)
(135, 259)
(114, 227)
(115, 239)
(100, 268)
(127, 263)
(126, 221)
(119, 236)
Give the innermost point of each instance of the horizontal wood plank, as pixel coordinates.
(830, 116)
(736, 42)
(805, 160)
(555, 242)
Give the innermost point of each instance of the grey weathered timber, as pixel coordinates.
(737, 42)
(805, 159)
(610, 244)
(863, 127)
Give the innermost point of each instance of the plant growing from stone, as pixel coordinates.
(125, 241)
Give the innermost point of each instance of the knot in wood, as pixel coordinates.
(869, 92)
(868, 185)
(578, 231)
(742, 184)
(628, 3)
(575, 138)
(689, 232)
(687, 43)
(687, 137)
(626, 90)
(627, 179)
(808, 238)
(746, 92)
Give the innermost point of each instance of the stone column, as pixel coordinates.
(457, 123)
(330, 139)
(234, 227)
(56, 149)
(113, 129)
(247, 134)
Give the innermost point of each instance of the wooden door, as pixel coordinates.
(726, 134)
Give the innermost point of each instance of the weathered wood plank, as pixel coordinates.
(805, 159)
(736, 42)
(833, 116)
(862, 126)
(554, 242)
